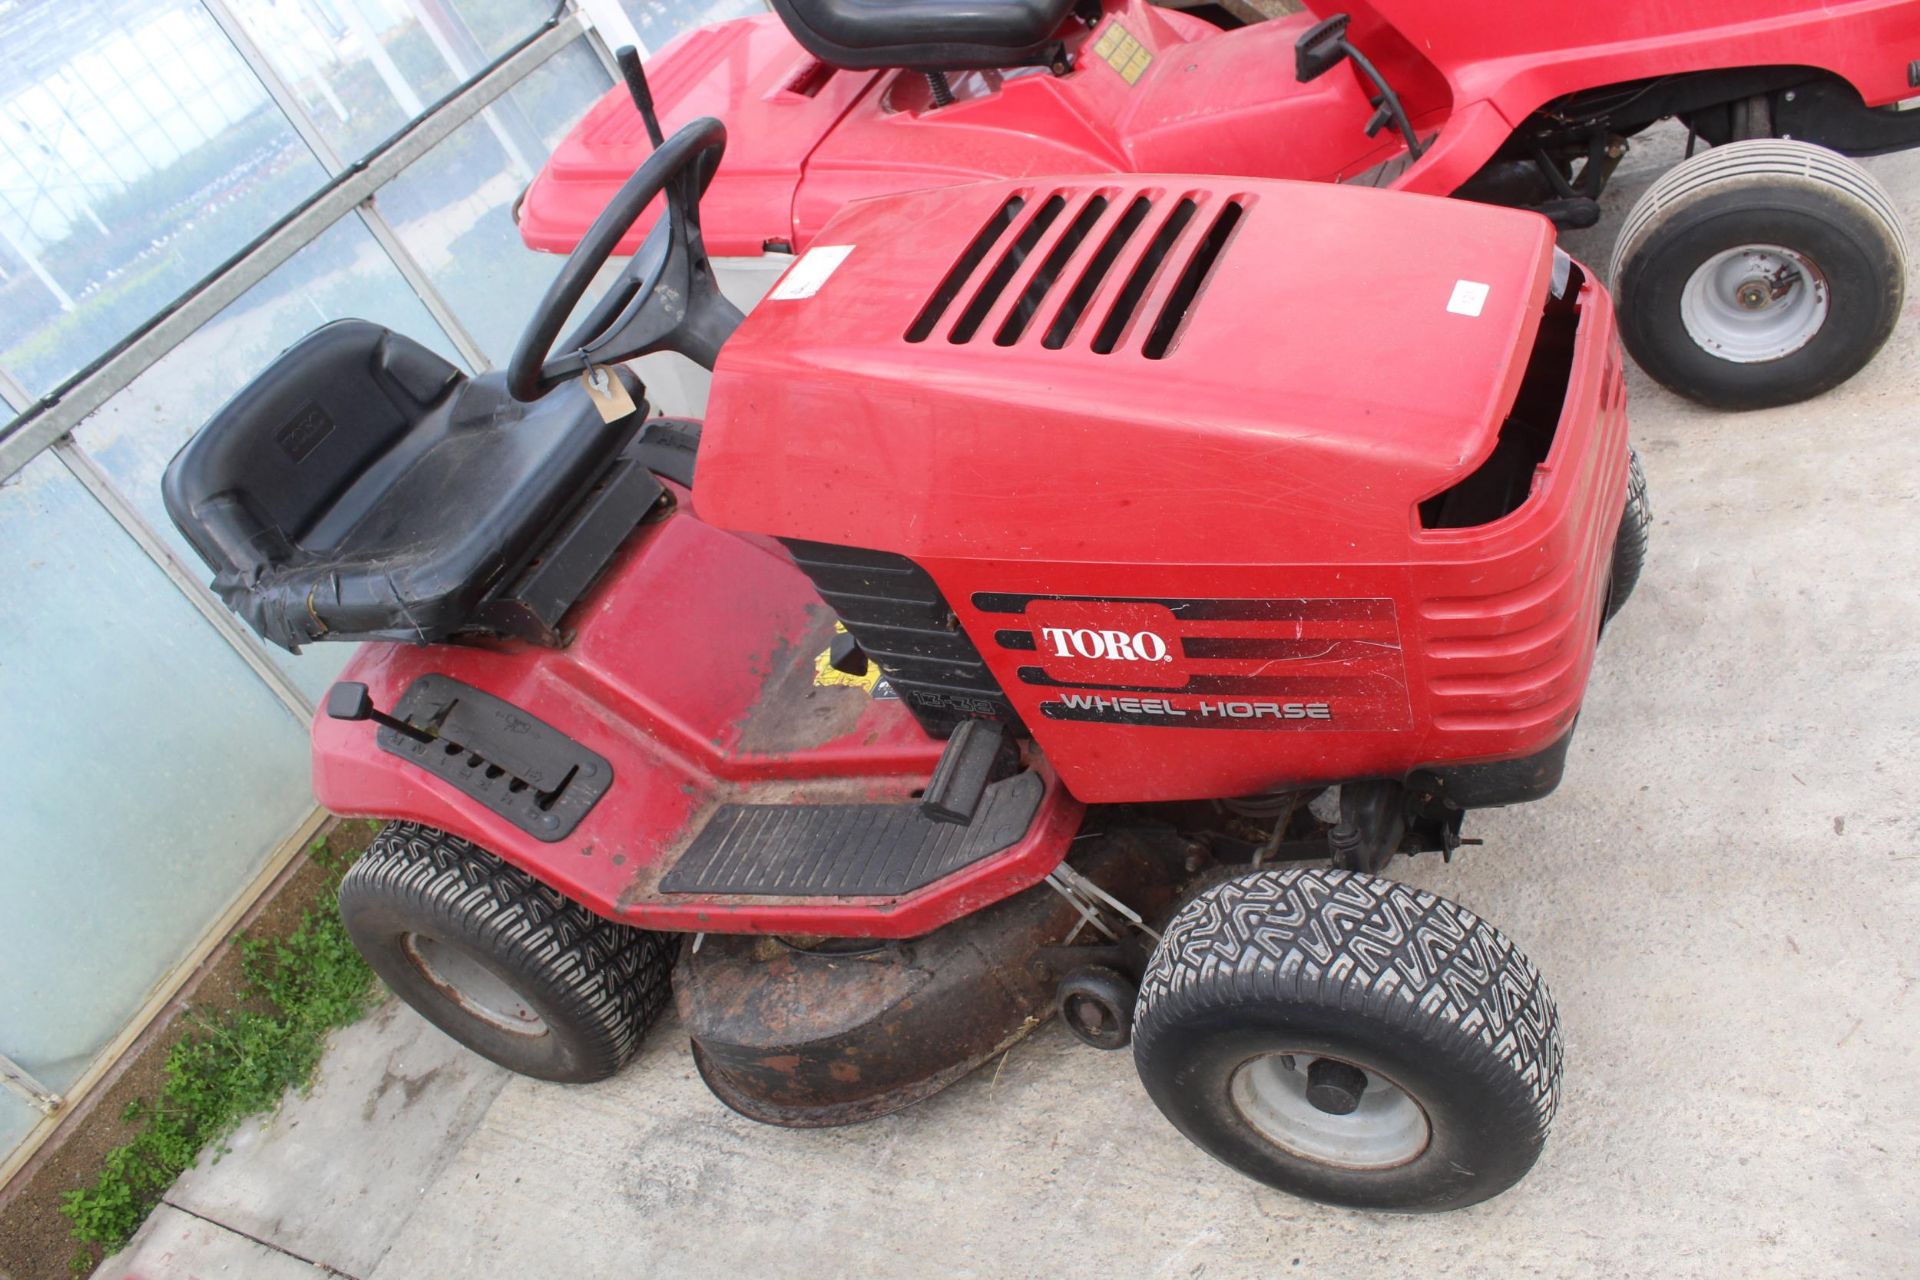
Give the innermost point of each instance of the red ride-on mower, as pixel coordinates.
(1765, 270)
(1034, 603)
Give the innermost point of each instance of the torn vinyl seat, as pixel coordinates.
(928, 35)
(364, 488)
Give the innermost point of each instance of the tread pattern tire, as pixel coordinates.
(1630, 544)
(1372, 971)
(598, 985)
(1748, 188)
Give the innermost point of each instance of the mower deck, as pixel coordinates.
(811, 1033)
(757, 791)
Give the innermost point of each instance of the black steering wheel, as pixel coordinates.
(665, 300)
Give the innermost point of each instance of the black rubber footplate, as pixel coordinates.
(847, 850)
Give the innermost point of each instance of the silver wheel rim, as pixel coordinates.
(1752, 304)
(1387, 1129)
(473, 986)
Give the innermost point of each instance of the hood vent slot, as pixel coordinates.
(1003, 270)
(982, 244)
(1100, 254)
(1089, 283)
(1199, 267)
(1141, 277)
(1057, 258)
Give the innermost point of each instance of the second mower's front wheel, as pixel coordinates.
(515, 971)
(1350, 1039)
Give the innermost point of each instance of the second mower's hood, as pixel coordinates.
(1139, 358)
(777, 101)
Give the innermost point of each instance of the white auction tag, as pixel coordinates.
(1469, 296)
(804, 278)
(608, 393)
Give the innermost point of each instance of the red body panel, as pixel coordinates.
(1207, 102)
(691, 672)
(1264, 476)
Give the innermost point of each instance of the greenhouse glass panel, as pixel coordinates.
(16, 1119)
(150, 774)
(453, 209)
(137, 153)
(658, 21)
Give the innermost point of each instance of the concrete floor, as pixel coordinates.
(1725, 896)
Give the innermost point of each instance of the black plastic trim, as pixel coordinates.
(1501, 782)
(521, 768)
(895, 610)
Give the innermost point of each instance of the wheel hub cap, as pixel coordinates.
(1755, 303)
(1329, 1111)
(473, 986)
(1334, 1087)
(1087, 1014)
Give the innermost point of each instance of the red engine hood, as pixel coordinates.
(777, 101)
(1350, 353)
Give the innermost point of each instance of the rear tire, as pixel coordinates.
(1274, 992)
(510, 968)
(1630, 544)
(1759, 273)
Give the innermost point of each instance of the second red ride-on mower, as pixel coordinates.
(1762, 271)
(989, 651)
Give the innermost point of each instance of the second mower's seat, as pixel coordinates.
(363, 488)
(927, 35)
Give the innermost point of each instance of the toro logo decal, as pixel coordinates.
(1107, 642)
(1115, 645)
(1210, 663)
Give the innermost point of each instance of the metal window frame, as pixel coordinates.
(20, 1082)
(13, 393)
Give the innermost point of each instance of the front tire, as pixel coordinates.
(1630, 543)
(510, 968)
(1759, 273)
(1349, 1039)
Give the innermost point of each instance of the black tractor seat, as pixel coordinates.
(363, 488)
(928, 35)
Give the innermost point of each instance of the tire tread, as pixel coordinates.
(615, 978)
(1368, 946)
(1630, 544)
(1762, 160)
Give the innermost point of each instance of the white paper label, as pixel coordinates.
(805, 277)
(1468, 297)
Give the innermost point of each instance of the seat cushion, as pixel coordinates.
(927, 35)
(362, 488)
(275, 458)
